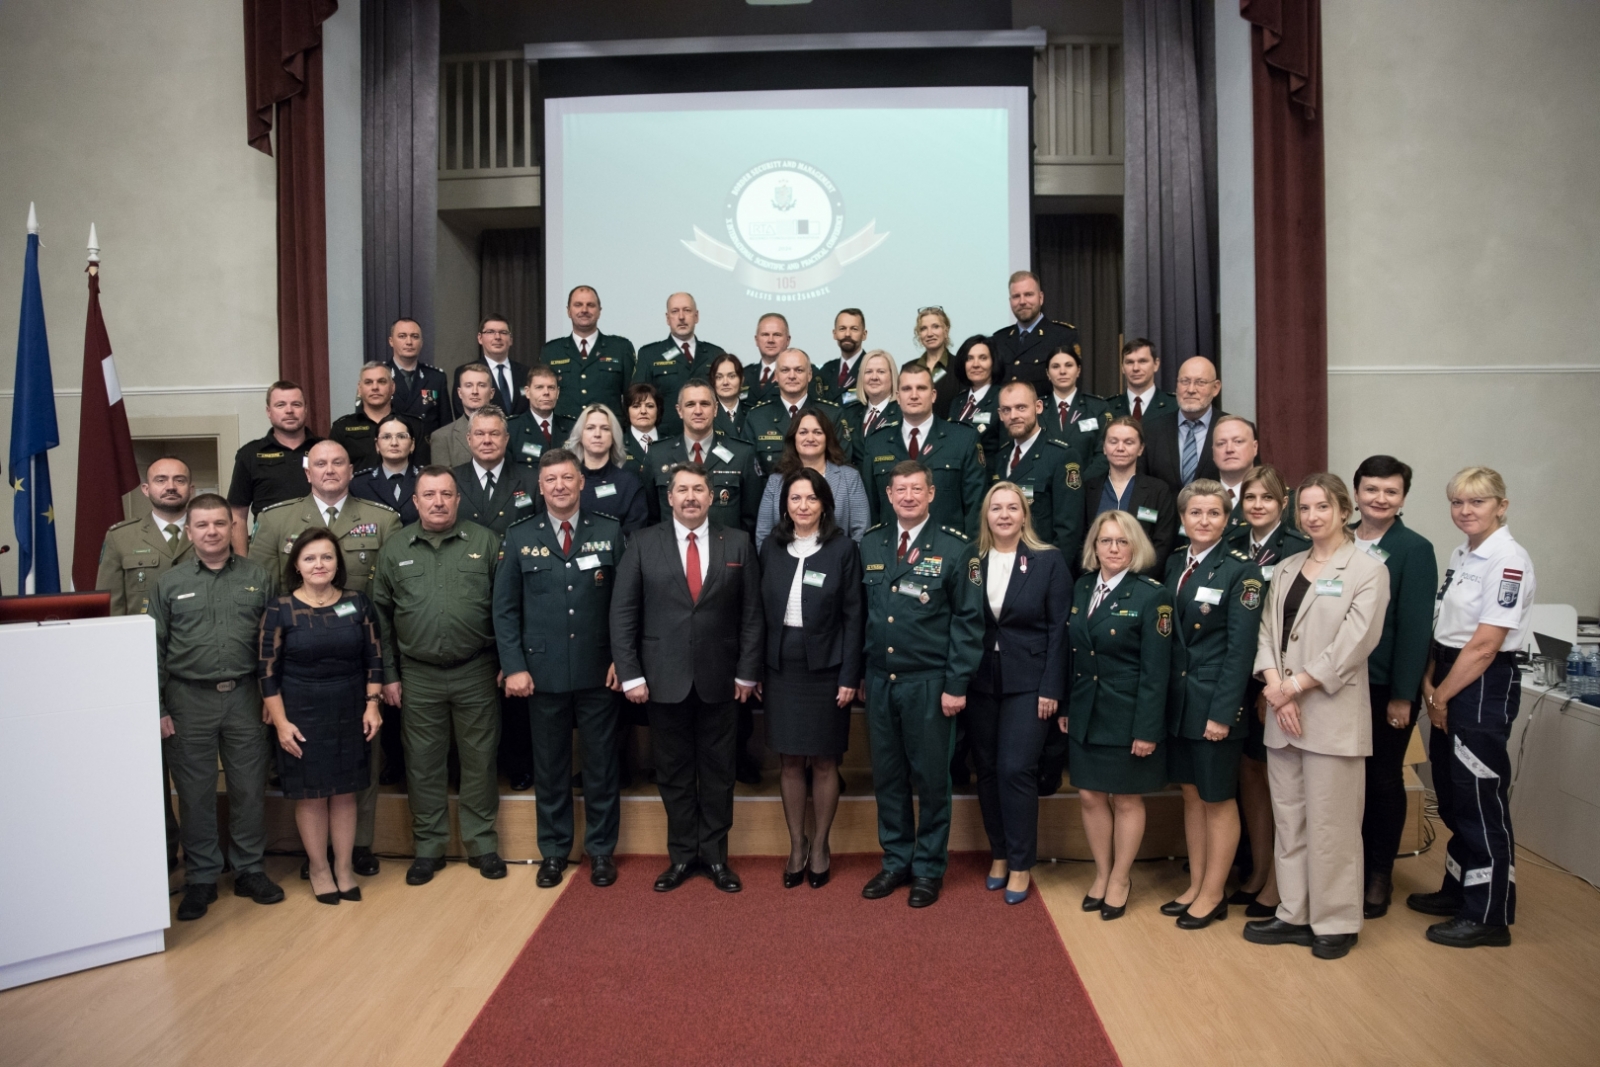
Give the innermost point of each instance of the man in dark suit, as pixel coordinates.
(668, 364)
(1023, 351)
(1049, 475)
(1177, 446)
(507, 375)
(1140, 397)
(836, 380)
(420, 390)
(687, 640)
(594, 367)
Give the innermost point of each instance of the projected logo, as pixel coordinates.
(784, 220)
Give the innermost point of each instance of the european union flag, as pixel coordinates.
(33, 434)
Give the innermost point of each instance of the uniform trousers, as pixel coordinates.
(516, 744)
(367, 796)
(551, 719)
(1471, 773)
(912, 743)
(434, 702)
(693, 742)
(1007, 738)
(1316, 810)
(209, 725)
(1385, 820)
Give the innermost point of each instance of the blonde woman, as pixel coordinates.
(611, 485)
(1021, 682)
(877, 381)
(1323, 618)
(932, 334)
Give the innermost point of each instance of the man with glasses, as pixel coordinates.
(358, 431)
(1177, 446)
(505, 373)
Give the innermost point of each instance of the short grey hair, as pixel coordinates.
(373, 364)
(488, 411)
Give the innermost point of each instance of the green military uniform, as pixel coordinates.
(1121, 669)
(434, 594)
(362, 526)
(732, 425)
(1052, 480)
(734, 471)
(854, 416)
(754, 391)
(924, 638)
(826, 384)
(358, 433)
(1161, 402)
(208, 626)
(600, 377)
(1082, 432)
(528, 439)
(663, 365)
(984, 417)
(769, 421)
(136, 553)
(953, 455)
(552, 618)
(266, 472)
(515, 495)
(1216, 617)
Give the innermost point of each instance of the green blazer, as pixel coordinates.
(601, 378)
(1402, 653)
(1284, 542)
(1052, 479)
(1083, 431)
(662, 365)
(925, 612)
(952, 454)
(1218, 619)
(1121, 662)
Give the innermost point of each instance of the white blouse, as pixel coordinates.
(799, 548)
(999, 578)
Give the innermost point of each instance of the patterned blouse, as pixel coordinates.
(309, 644)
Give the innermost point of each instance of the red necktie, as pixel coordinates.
(1138, 408)
(1064, 414)
(692, 569)
(699, 456)
(544, 426)
(566, 538)
(914, 450)
(1016, 457)
(687, 358)
(583, 348)
(1193, 563)
(844, 373)
(794, 409)
(766, 375)
(905, 543)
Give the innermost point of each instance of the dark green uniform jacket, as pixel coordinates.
(528, 441)
(552, 612)
(854, 416)
(1052, 479)
(950, 452)
(662, 365)
(1084, 430)
(515, 496)
(768, 422)
(1161, 403)
(1282, 543)
(736, 480)
(925, 612)
(1121, 662)
(985, 418)
(1402, 652)
(434, 593)
(1218, 618)
(601, 378)
(731, 425)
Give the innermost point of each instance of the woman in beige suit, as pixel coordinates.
(1323, 617)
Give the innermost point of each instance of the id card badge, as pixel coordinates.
(913, 589)
(1085, 425)
(344, 610)
(1266, 572)
(1330, 587)
(813, 578)
(981, 418)
(723, 454)
(1147, 515)
(531, 449)
(1205, 595)
(609, 489)
(588, 563)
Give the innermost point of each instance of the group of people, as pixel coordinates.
(969, 544)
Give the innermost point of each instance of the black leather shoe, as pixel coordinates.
(924, 891)
(1256, 910)
(490, 865)
(350, 894)
(748, 771)
(1332, 946)
(1372, 910)
(1173, 907)
(550, 872)
(1116, 911)
(258, 887)
(883, 883)
(818, 879)
(1464, 933)
(1092, 903)
(305, 869)
(1275, 931)
(1375, 902)
(1187, 920)
(196, 898)
(421, 870)
(363, 861)
(673, 877)
(521, 783)
(1441, 903)
(1241, 898)
(723, 878)
(602, 871)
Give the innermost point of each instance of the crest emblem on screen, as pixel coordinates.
(784, 223)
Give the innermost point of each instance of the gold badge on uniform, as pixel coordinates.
(1250, 595)
(526, 551)
(975, 572)
(1164, 620)
(1074, 476)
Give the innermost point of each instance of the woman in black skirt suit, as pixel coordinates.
(1121, 633)
(321, 676)
(816, 623)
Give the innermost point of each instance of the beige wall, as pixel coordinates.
(132, 116)
(1463, 183)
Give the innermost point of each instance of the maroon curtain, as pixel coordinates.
(1291, 237)
(283, 78)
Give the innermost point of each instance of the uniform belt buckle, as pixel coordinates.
(228, 686)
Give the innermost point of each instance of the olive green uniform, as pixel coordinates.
(207, 627)
(769, 421)
(1051, 477)
(600, 377)
(924, 639)
(552, 615)
(733, 469)
(953, 456)
(434, 595)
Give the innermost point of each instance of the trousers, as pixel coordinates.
(1316, 810)
(551, 720)
(1007, 738)
(1385, 818)
(695, 751)
(436, 701)
(912, 743)
(210, 725)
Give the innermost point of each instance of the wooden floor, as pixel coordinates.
(397, 978)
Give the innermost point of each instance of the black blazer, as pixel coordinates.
(1031, 632)
(516, 495)
(373, 484)
(1149, 495)
(675, 643)
(834, 613)
(1162, 441)
(515, 404)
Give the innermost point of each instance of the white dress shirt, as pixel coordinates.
(555, 524)
(1147, 396)
(915, 532)
(483, 473)
(799, 548)
(579, 341)
(322, 507)
(707, 443)
(922, 429)
(999, 579)
(677, 344)
(1110, 587)
(639, 436)
(1024, 446)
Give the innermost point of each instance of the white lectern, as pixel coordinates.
(83, 878)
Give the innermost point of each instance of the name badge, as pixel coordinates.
(531, 449)
(183, 596)
(723, 454)
(1266, 572)
(609, 489)
(344, 609)
(1330, 587)
(405, 563)
(1027, 493)
(1379, 554)
(1208, 596)
(912, 589)
(1086, 425)
(813, 578)
(982, 417)
(588, 563)
(522, 500)
(1147, 515)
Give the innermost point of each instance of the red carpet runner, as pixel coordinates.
(627, 976)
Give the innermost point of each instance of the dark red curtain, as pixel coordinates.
(283, 83)
(1291, 236)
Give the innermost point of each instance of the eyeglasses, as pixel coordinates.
(1112, 542)
(496, 333)
(930, 307)
(1195, 383)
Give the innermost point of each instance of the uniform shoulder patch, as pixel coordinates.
(1074, 476)
(975, 571)
(124, 522)
(960, 535)
(1164, 620)
(1068, 325)
(1151, 581)
(380, 505)
(283, 504)
(1250, 594)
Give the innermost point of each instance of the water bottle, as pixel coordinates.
(1591, 672)
(1576, 667)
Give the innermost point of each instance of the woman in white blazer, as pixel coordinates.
(1323, 617)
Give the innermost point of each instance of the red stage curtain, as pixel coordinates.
(283, 76)
(1291, 237)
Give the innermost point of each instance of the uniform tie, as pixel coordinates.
(794, 409)
(1191, 450)
(488, 482)
(699, 456)
(544, 426)
(566, 538)
(844, 372)
(967, 410)
(583, 348)
(1193, 563)
(1100, 592)
(174, 535)
(333, 514)
(913, 449)
(1138, 407)
(692, 569)
(905, 543)
(871, 422)
(687, 358)
(505, 384)
(766, 375)
(397, 484)
(1064, 413)
(1016, 457)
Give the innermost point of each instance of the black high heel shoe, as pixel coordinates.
(1190, 921)
(1110, 911)
(1174, 908)
(1381, 886)
(1093, 903)
(353, 893)
(328, 898)
(794, 878)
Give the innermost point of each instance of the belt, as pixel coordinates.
(449, 664)
(222, 687)
(1446, 654)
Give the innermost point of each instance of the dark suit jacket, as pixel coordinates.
(1031, 631)
(516, 495)
(1163, 440)
(834, 613)
(373, 484)
(515, 404)
(1149, 494)
(1402, 653)
(675, 643)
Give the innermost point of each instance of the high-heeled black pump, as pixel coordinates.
(328, 898)
(794, 878)
(353, 893)
(1190, 921)
(1092, 903)
(1174, 908)
(1117, 911)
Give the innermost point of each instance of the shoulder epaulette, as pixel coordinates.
(282, 504)
(959, 534)
(1058, 442)
(882, 426)
(124, 522)
(879, 526)
(1242, 556)
(519, 522)
(363, 472)
(759, 404)
(1152, 581)
(1068, 325)
(377, 504)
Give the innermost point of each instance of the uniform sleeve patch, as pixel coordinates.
(1510, 591)
(1250, 595)
(1164, 620)
(1074, 476)
(975, 571)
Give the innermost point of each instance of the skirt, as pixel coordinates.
(1212, 767)
(1115, 769)
(802, 706)
(334, 754)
